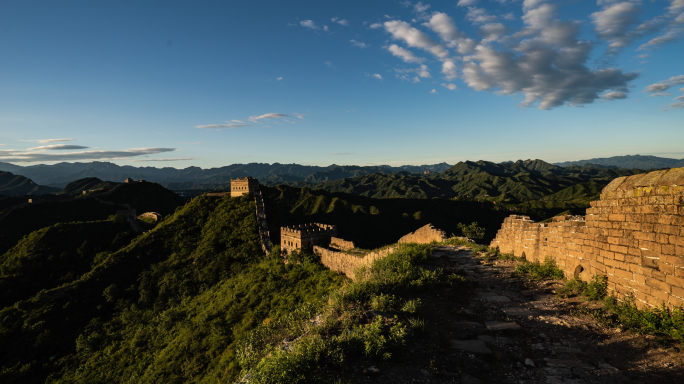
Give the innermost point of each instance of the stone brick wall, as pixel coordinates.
(346, 263)
(424, 235)
(634, 235)
(341, 243)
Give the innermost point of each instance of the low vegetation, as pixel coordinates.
(370, 316)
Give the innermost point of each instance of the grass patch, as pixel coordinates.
(341, 328)
(596, 289)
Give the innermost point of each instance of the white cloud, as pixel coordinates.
(644, 56)
(433, 91)
(222, 126)
(267, 116)
(449, 86)
(449, 70)
(660, 94)
(614, 96)
(445, 27)
(676, 105)
(492, 31)
(279, 78)
(377, 76)
(665, 84)
(509, 16)
(328, 63)
(420, 7)
(359, 44)
(413, 37)
(340, 21)
(325, 28)
(56, 147)
(614, 22)
(308, 24)
(32, 157)
(466, 3)
(376, 25)
(673, 20)
(679, 97)
(480, 16)
(299, 115)
(404, 54)
(238, 121)
(547, 64)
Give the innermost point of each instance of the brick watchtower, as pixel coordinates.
(240, 186)
(305, 236)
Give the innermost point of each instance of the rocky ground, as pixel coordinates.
(503, 329)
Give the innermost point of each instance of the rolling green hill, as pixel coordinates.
(166, 306)
(510, 183)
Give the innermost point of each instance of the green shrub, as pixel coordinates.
(384, 302)
(655, 321)
(597, 288)
(411, 306)
(540, 271)
(472, 231)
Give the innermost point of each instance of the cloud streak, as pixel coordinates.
(32, 157)
(56, 147)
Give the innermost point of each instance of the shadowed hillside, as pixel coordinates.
(16, 185)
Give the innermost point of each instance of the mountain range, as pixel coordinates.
(629, 161)
(59, 175)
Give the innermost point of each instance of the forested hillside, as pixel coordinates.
(166, 306)
(508, 183)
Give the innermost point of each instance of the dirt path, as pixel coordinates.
(503, 329)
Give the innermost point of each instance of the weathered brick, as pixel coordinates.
(675, 281)
(624, 274)
(657, 284)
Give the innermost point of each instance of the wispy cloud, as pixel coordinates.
(449, 86)
(32, 157)
(222, 126)
(342, 153)
(50, 140)
(359, 44)
(377, 76)
(340, 21)
(660, 94)
(279, 78)
(664, 85)
(308, 24)
(328, 63)
(56, 147)
(267, 116)
(170, 159)
(433, 91)
(614, 96)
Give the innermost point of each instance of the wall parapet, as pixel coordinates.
(346, 263)
(634, 235)
(424, 235)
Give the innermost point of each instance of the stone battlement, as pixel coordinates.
(305, 236)
(240, 186)
(634, 235)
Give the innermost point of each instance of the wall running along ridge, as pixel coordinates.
(634, 235)
(341, 243)
(346, 263)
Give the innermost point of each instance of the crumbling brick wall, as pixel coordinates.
(341, 243)
(424, 235)
(346, 263)
(634, 235)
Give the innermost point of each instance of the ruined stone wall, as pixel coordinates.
(152, 215)
(424, 235)
(347, 263)
(634, 235)
(341, 243)
(305, 236)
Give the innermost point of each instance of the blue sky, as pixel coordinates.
(211, 83)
